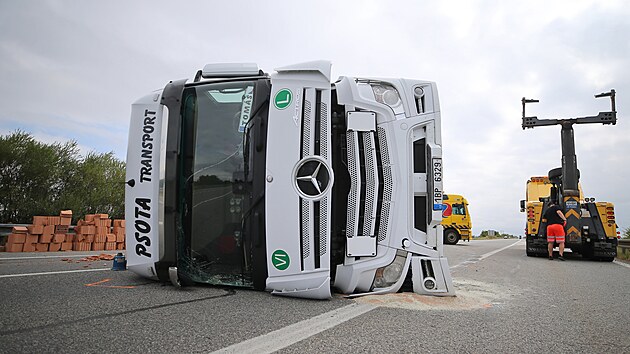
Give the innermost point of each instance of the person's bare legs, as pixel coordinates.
(561, 246)
(550, 248)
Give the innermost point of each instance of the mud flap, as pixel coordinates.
(431, 276)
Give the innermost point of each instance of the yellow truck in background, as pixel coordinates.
(598, 229)
(456, 219)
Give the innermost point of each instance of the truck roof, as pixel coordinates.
(455, 198)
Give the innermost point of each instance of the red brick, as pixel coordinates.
(98, 246)
(16, 238)
(120, 245)
(85, 229)
(54, 247)
(58, 238)
(40, 220)
(70, 237)
(89, 238)
(65, 213)
(100, 238)
(14, 247)
(61, 229)
(110, 246)
(49, 229)
(120, 236)
(81, 246)
(35, 229)
(45, 238)
(31, 238)
(29, 247)
(111, 238)
(66, 221)
(54, 220)
(89, 217)
(41, 247)
(19, 230)
(102, 230)
(66, 246)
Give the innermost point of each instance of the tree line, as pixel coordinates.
(41, 179)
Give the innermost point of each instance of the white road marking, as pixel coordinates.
(622, 263)
(49, 273)
(484, 256)
(499, 250)
(284, 337)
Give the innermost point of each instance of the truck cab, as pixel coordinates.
(456, 219)
(288, 182)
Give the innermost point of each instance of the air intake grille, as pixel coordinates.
(314, 214)
(323, 225)
(387, 184)
(371, 184)
(354, 173)
(306, 249)
(324, 130)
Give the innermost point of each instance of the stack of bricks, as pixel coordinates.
(51, 234)
(46, 234)
(95, 234)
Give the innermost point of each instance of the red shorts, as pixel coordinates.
(555, 232)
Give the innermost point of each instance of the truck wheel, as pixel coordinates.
(451, 237)
(527, 250)
(607, 259)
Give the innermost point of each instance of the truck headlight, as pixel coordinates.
(389, 275)
(386, 94)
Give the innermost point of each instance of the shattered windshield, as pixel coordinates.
(214, 118)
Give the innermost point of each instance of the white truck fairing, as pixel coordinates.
(144, 175)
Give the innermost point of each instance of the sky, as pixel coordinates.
(69, 70)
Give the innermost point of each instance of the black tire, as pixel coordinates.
(588, 252)
(527, 251)
(607, 259)
(451, 237)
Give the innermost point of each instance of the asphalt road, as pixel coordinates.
(506, 302)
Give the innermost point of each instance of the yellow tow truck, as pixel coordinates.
(456, 219)
(598, 229)
(590, 226)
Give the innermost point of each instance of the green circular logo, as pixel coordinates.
(283, 98)
(280, 259)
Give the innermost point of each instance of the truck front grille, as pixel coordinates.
(371, 184)
(314, 214)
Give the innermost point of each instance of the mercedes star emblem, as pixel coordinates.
(312, 178)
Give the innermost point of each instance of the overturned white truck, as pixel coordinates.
(288, 183)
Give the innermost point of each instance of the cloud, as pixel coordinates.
(71, 70)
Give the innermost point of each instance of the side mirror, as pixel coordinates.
(522, 206)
